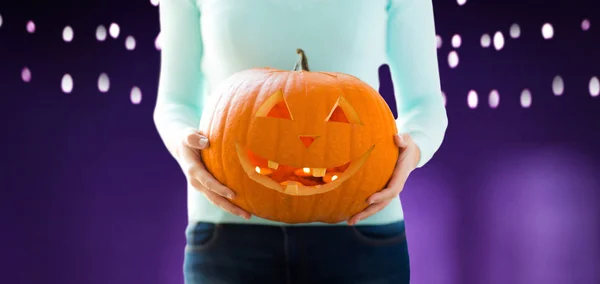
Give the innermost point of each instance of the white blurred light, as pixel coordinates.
(114, 30)
(486, 40)
(526, 98)
(67, 34)
(158, 42)
(26, 75)
(30, 27)
(494, 99)
(0, 20)
(453, 59)
(66, 84)
(103, 83)
(498, 40)
(101, 33)
(461, 2)
(585, 24)
(135, 96)
(154, 2)
(515, 30)
(547, 31)
(130, 43)
(444, 98)
(456, 41)
(438, 41)
(594, 86)
(472, 99)
(558, 85)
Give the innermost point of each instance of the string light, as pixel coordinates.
(453, 59)
(486, 40)
(547, 31)
(472, 99)
(498, 40)
(103, 83)
(114, 30)
(494, 99)
(130, 43)
(68, 34)
(456, 41)
(558, 86)
(515, 31)
(526, 98)
(101, 33)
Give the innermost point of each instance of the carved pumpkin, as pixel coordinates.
(299, 146)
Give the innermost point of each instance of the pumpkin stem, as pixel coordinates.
(302, 63)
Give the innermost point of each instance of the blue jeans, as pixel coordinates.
(247, 254)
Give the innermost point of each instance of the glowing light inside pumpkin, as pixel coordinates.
(264, 172)
(306, 170)
(329, 177)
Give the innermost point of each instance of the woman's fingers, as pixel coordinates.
(206, 180)
(196, 140)
(221, 201)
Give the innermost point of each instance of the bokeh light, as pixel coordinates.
(154, 2)
(498, 40)
(30, 27)
(486, 40)
(444, 98)
(114, 30)
(136, 95)
(558, 85)
(67, 84)
(453, 59)
(0, 20)
(494, 99)
(547, 31)
(438, 41)
(461, 2)
(594, 86)
(26, 75)
(103, 83)
(585, 24)
(472, 99)
(526, 98)
(456, 41)
(158, 42)
(130, 43)
(515, 31)
(68, 34)
(101, 33)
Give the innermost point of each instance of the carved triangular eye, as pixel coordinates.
(275, 107)
(343, 112)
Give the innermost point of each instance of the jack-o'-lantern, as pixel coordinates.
(299, 146)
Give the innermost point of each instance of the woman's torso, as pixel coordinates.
(346, 36)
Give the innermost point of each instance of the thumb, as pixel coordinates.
(196, 140)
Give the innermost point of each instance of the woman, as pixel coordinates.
(205, 41)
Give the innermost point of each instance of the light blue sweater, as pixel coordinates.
(206, 41)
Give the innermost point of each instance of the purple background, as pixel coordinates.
(88, 194)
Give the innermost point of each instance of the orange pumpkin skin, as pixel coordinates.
(299, 120)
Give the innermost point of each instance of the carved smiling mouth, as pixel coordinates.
(294, 180)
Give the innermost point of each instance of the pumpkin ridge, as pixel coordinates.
(224, 134)
(261, 90)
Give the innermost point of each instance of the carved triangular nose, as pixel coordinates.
(307, 140)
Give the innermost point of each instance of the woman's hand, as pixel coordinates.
(407, 162)
(190, 161)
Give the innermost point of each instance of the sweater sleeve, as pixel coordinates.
(412, 57)
(180, 90)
